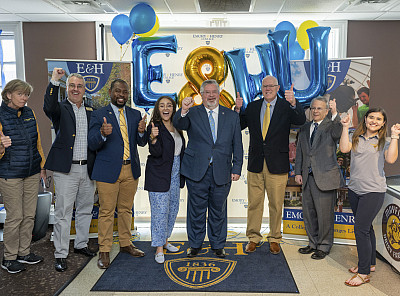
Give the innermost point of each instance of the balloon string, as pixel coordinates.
(121, 53)
(127, 46)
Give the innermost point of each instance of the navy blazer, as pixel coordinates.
(226, 152)
(110, 153)
(275, 147)
(160, 160)
(64, 122)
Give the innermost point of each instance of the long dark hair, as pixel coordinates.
(362, 129)
(156, 116)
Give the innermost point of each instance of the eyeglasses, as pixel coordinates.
(317, 108)
(79, 86)
(270, 86)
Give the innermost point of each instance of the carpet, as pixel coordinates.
(259, 272)
(42, 279)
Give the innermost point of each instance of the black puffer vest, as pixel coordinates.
(22, 158)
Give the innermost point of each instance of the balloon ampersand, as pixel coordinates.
(195, 76)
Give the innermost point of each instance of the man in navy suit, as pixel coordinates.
(114, 133)
(212, 160)
(71, 162)
(268, 163)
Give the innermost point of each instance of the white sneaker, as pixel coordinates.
(171, 248)
(160, 258)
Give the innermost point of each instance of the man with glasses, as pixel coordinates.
(319, 174)
(213, 159)
(268, 120)
(72, 162)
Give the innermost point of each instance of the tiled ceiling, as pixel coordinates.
(192, 11)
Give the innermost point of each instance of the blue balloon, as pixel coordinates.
(121, 29)
(264, 55)
(296, 52)
(142, 18)
(280, 59)
(318, 37)
(248, 85)
(144, 73)
(287, 26)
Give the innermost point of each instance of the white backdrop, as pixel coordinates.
(174, 80)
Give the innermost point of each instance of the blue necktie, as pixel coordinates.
(212, 124)
(313, 133)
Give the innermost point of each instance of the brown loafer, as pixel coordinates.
(104, 260)
(274, 248)
(251, 247)
(132, 250)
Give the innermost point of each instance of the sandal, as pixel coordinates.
(355, 269)
(364, 280)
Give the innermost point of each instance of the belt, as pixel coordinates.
(125, 162)
(80, 162)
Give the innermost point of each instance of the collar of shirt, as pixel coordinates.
(215, 110)
(73, 104)
(273, 102)
(116, 112)
(376, 137)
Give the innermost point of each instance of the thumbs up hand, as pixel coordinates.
(289, 96)
(239, 102)
(154, 131)
(106, 128)
(5, 141)
(142, 124)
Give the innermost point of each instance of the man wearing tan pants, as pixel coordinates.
(114, 133)
(268, 120)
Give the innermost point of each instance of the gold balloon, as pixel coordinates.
(195, 76)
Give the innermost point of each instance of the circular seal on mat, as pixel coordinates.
(391, 230)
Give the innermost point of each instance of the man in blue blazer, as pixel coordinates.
(114, 133)
(212, 160)
(268, 163)
(71, 162)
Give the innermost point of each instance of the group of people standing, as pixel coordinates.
(98, 148)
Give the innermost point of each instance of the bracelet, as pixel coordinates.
(151, 138)
(395, 137)
(42, 169)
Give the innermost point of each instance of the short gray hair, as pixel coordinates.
(321, 99)
(77, 76)
(207, 82)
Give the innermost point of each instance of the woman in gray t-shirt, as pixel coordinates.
(369, 150)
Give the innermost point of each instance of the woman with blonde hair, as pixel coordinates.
(21, 167)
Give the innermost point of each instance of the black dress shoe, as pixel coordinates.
(307, 250)
(61, 264)
(220, 253)
(318, 254)
(85, 251)
(192, 252)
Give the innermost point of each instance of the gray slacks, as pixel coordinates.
(74, 187)
(319, 215)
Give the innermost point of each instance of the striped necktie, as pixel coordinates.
(124, 133)
(266, 120)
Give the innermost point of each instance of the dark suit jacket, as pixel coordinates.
(108, 164)
(275, 148)
(226, 152)
(160, 160)
(63, 118)
(321, 156)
